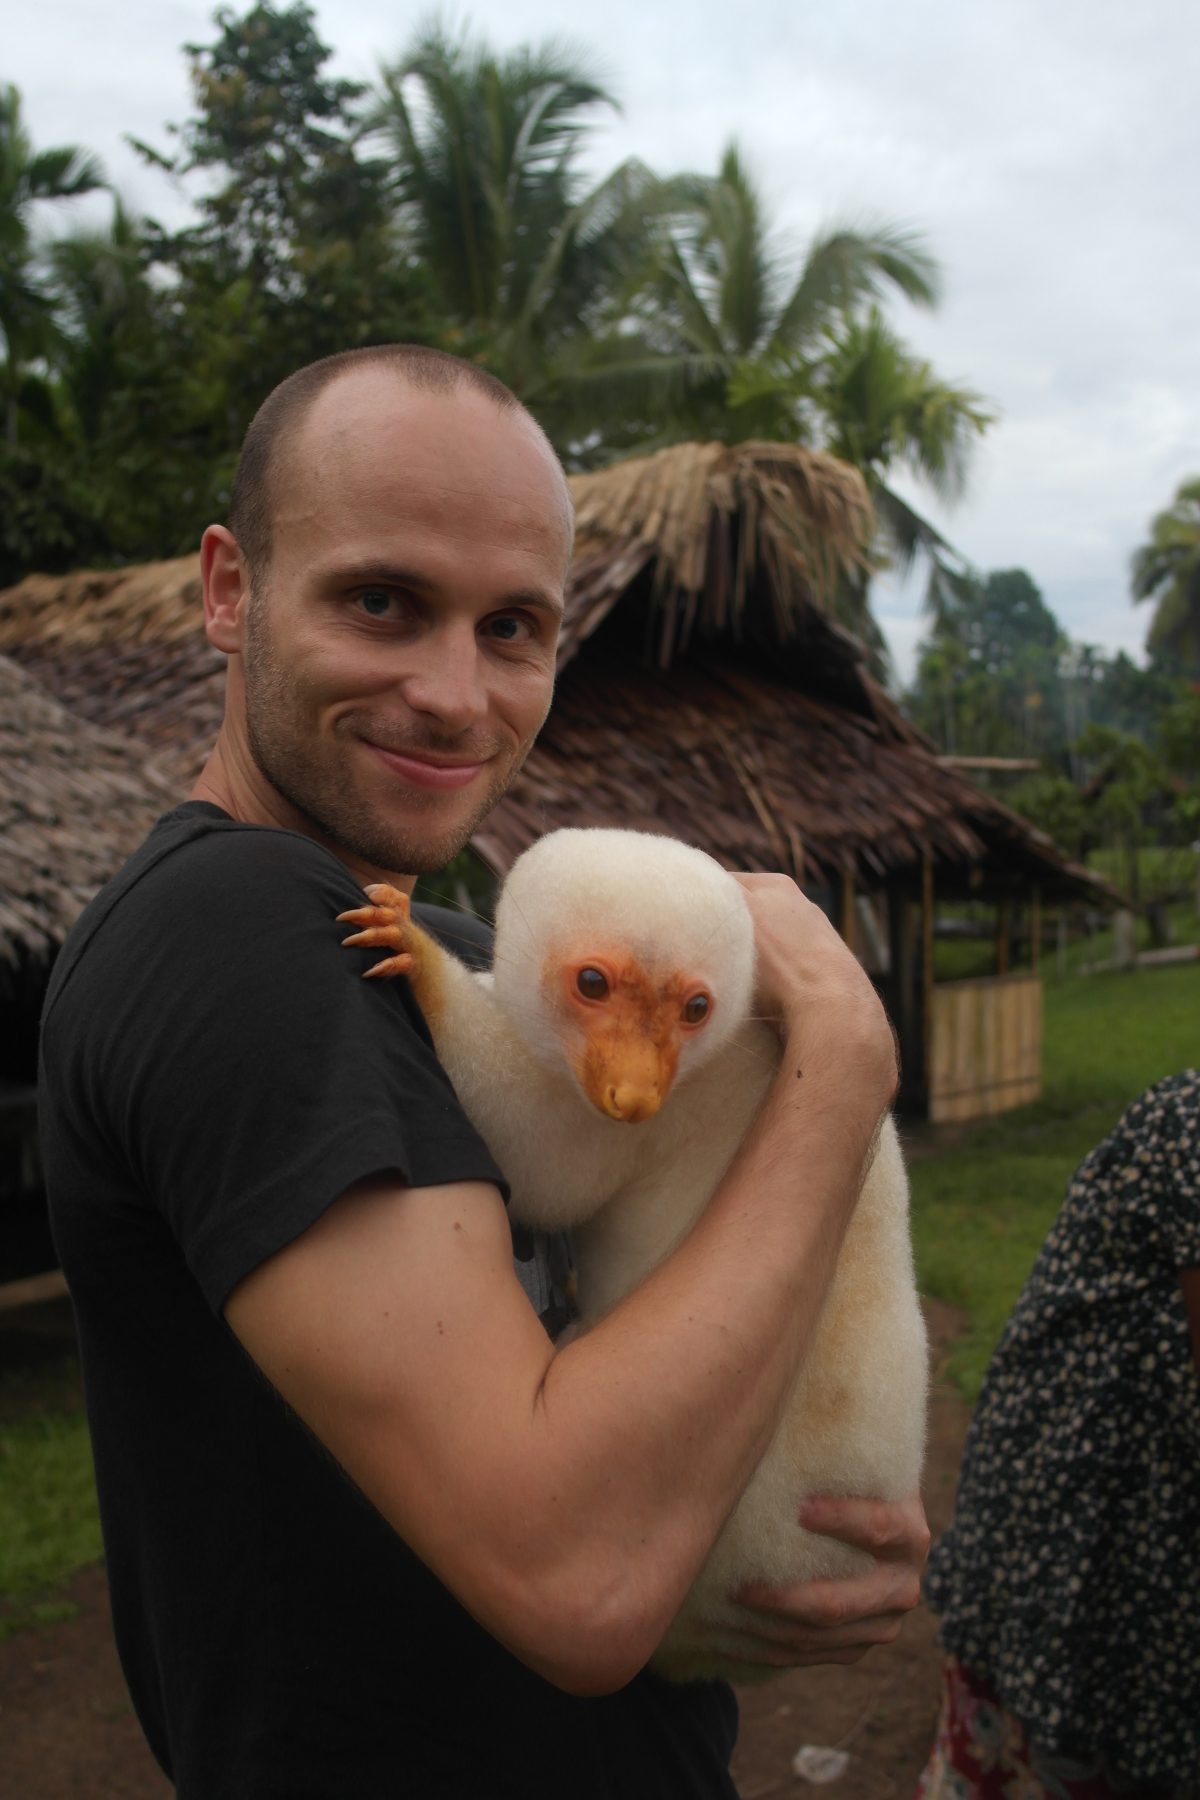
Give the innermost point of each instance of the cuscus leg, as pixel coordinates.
(384, 923)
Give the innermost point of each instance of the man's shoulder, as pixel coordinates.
(202, 874)
(199, 842)
(197, 847)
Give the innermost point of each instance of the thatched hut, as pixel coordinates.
(705, 690)
(74, 801)
(123, 649)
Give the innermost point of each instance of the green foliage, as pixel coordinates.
(982, 1209)
(489, 197)
(1117, 693)
(49, 519)
(48, 1524)
(718, 336)
(48, 1521)
(1179, 736)
(1055, 804)
(163, 343)
(989, 681)
(1167, 571)
(449, 206)
(879, 408)
(1131, 796)
(276, 132)
(29, 329)
(293, 255)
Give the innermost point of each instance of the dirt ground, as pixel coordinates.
(68, 1731)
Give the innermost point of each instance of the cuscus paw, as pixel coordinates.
(384, 923)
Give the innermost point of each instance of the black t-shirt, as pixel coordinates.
(214, 1075)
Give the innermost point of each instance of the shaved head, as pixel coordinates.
(275, 425)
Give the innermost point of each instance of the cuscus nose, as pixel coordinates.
(631, 1102)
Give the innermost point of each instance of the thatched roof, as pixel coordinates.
(74, 801)
(720, 701)
(153, 603)
(705, 687)
(712, 524)
(124, 649)
(765, 778)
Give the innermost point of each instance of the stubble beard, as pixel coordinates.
(317, 788)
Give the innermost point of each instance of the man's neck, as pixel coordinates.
(256, 802)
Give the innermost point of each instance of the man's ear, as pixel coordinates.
(226, 588)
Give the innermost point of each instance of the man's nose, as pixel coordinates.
(446, 682)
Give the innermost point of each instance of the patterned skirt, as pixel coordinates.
(983, 1753)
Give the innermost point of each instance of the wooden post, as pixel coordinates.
(905, 1001)
(927, 965)
(1002, 937)
(848, 908)
(1035, 928)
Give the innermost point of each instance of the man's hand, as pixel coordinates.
(815, 989)
(839, 1621)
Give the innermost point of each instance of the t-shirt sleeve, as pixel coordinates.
(250, 1074)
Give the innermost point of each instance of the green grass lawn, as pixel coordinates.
(48, 1522)
(981, 1209)
(1165, 871)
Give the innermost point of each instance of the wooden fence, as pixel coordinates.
(985, 1046)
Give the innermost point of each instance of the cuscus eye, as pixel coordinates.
(697, 1009)
(592, 984)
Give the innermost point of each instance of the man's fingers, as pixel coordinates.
(889, 1530)
(781, 1647)
(886, 1592)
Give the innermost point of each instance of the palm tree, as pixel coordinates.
(27, 322)
(883, 408)
(1167, 571)
(734, 346)
(712, 311)
(490, 198)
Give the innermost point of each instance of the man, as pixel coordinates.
(257, 1168)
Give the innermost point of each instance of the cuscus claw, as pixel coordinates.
(375, 918)
(384, 923)
(391, 965)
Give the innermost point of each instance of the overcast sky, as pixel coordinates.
(1047, 149)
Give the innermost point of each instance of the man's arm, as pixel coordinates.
(569, 1497)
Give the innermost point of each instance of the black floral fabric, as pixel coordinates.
(1070, 1578)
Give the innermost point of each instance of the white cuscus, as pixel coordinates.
(854, 1421)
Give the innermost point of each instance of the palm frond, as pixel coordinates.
(846, 268)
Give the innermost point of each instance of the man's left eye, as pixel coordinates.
(375, 601)
(509, 628)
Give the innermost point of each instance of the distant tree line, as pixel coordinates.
(446, 205)
(1118, 745)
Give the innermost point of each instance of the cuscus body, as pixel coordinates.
(612, 1063)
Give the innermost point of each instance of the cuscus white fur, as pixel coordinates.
(612, 1064)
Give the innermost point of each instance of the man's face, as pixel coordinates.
(399, 650)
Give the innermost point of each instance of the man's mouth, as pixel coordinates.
(421, 768)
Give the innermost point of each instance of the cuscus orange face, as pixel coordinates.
(629, 1025)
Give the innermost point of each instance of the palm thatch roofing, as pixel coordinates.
(124, 649)
(74, 801)
(705, 690)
